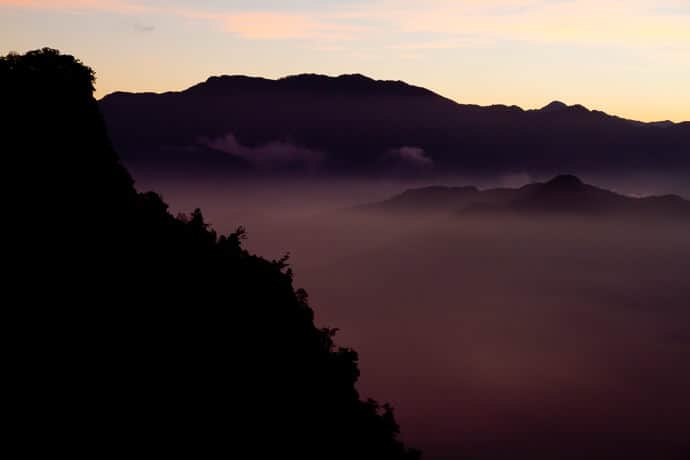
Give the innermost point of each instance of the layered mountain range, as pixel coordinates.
(562, 195)
(352, 124)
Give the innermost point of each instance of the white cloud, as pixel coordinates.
(273, 155)
(411, 157)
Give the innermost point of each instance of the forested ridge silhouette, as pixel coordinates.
(145, 333)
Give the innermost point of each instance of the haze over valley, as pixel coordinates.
(492, 335)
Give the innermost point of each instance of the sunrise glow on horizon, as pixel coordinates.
(629, 58)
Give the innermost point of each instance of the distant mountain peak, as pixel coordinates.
(355, 76)
(555, 106)
(558, 106)
(317, 76)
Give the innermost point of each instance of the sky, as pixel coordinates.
(630, 58)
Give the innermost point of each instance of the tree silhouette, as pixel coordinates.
(149, 334)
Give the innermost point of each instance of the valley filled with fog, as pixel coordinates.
(489, 335)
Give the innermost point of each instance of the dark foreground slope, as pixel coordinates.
(563, 195)
(355, 125)
(143, 334)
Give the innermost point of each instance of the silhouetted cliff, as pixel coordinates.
(145, 334)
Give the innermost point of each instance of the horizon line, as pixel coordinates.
(359, 74)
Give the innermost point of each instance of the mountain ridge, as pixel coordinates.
(555, 105)
(359, 125)
(562, 195)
